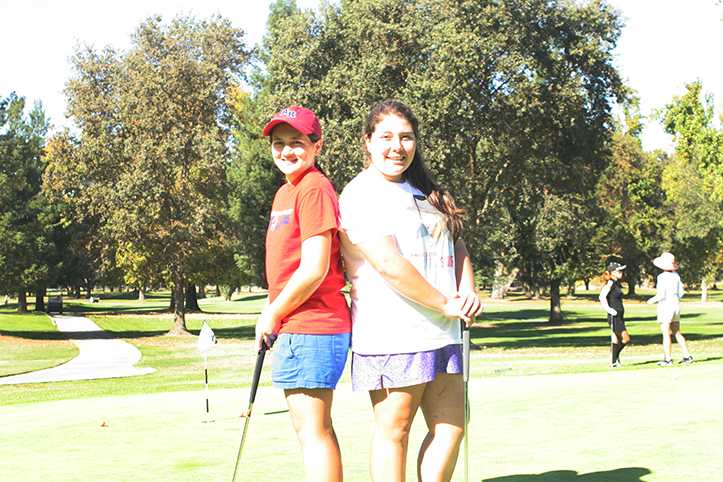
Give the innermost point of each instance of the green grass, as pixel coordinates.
(545, 405)
(615, 426)
(179, 366)
(31, 342)
(514, 335)
(517, 339)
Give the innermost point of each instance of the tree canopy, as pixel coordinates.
(166, 178)
(150, 160)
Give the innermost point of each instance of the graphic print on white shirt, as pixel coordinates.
(383, 320)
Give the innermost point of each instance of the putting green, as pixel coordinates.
(659, 425)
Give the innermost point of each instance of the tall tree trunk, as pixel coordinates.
(40, 299)
(179, 312)
(502, 281)
(703, 290)
(587, 283)
(632, 283)
(201, 291)
(229, 292)
(22, 300)
(172, 306)
(191, 298)
(218, 291)
(142, 293)
(555, 309)
(89, 290)
(571, 290)
(77, 291)
(534, 292)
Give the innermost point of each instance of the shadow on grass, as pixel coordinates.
(251, 297)
(697, 360)
(528, 328)
(625, 474)
(73, 309)
(245, 332)
(523, 328)
(155, 310)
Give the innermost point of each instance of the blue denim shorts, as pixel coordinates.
(309, 361)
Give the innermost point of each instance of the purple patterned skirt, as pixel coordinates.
(374, 372)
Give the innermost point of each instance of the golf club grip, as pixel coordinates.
(257, 374)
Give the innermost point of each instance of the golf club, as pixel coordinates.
(252, 397)
(465, 376)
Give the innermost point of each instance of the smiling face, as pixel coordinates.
(391, 146)
(293, 152)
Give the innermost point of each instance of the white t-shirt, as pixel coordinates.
(383, 321)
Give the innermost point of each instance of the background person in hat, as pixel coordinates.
(305, 306)
(669, 291)
(611, 299)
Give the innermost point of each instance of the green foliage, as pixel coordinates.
(689, 119)
(637, 218)
(513, 98)
(149, 163)
(26, 221)
(253, 181)
(693, 182)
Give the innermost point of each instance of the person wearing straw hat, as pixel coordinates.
(669, 291)
(611, 299)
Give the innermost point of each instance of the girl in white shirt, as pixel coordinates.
(412, 281)
(669, 291)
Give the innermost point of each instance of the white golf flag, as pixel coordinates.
(206, 339)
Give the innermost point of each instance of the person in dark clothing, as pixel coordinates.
(611, 299)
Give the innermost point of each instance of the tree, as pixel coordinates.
(509, 95)
(693, 182)
(253, 180)
(88, 253)
(25, 221)
(637, 214)
(152, 150)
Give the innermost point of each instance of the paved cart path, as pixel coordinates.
(100, 356)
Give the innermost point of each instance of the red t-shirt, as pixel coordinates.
(302, 210)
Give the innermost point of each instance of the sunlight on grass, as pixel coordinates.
(31, 342)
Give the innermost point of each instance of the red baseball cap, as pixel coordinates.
(300, 118)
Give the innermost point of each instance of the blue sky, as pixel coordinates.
(665, 44)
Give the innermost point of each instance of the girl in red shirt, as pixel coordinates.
(306, 312)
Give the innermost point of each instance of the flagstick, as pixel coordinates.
(206, 340)
(205, 371)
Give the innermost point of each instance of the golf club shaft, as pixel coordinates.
(252, 398)
(465, 375)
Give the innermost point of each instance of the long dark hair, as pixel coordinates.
(417, 174)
